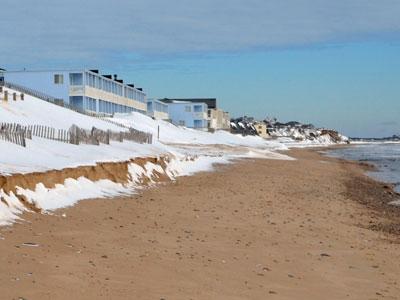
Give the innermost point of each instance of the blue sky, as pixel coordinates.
(332, 63)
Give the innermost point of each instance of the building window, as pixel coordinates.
(182, 123)
(58, 79)
(76, 78)
(198, 108)
(76, 101)
(188, 109)
(91, 104)
(198, 123)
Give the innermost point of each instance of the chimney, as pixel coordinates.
(115, 77)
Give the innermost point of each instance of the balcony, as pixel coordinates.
(76, 90)
(200, 115)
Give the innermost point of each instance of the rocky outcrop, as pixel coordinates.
(292, 130)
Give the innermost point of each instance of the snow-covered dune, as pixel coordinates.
(172, 134)
(33, 111)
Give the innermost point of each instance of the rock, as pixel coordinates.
(30, 244)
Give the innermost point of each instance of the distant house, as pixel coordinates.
(157, 109)
(187, 113)
(2, 76)
(84, 89)
(216, 118)
(262, 129)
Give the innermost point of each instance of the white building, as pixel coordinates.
(157, 109)
(187, 113)
(218, 119)
(83, 89)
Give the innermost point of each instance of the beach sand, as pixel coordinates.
(313, 228)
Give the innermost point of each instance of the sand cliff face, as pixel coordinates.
(117, 172)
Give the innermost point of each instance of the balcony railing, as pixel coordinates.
(200, 115)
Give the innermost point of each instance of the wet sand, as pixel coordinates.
(314, 228)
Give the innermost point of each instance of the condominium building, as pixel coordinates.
(157, 109)
(187, 113)
(87, 90)
(216, 118)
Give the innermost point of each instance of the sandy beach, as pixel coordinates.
(312, 228)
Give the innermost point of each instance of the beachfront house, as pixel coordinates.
(216, 118)
(157, 110)
(187, 113)
(262, 129)
(85, 90)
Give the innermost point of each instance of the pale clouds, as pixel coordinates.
(91, 30)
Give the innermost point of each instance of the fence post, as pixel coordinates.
(74, 135)
(22, 96)
(108, 136)
(15, 96)
(158, 133)
(23, 140)
(6, 96)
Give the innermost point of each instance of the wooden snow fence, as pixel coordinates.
(132, 134)
(137, 136)
(50, 133)
(91, 137)
(42, 131)
(15, 133)
(79, 135)
(97, 136)
(13, 137)
(16, 128)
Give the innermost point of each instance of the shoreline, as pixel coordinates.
(381, 196)
(256, 228)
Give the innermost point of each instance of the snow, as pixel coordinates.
(43, 155)
(74, 190)
(191, 151)
(171, 134)
(33, 111)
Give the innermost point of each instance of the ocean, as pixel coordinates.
(385, 156)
